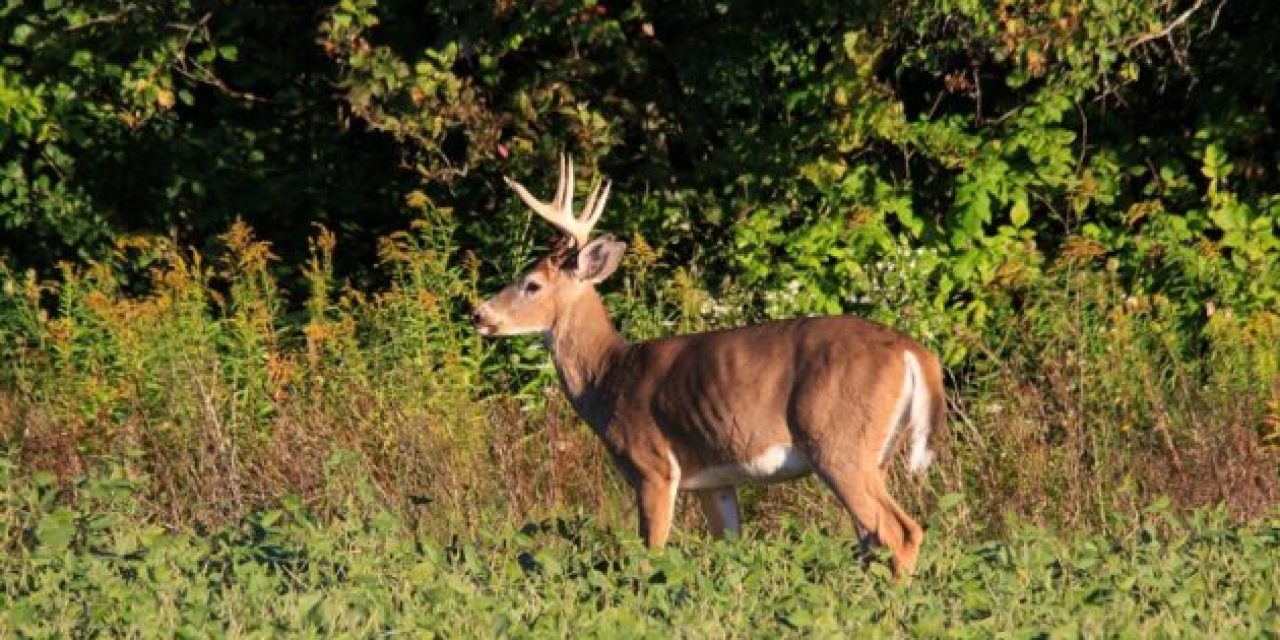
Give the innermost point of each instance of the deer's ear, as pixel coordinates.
(598, 260)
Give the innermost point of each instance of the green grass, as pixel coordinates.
(99, 570)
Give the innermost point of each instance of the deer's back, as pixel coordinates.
(730, 392)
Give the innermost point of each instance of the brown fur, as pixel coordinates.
(827, 386)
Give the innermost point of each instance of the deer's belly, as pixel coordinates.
(776, 464)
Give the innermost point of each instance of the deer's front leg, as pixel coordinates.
(656, 499)
(657, 502)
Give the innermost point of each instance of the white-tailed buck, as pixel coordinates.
(709, 411)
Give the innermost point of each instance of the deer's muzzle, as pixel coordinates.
(483, 322)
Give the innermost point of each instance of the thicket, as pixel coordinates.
(240, 238)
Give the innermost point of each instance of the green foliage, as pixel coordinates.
(786, 150)
(97, 569)
(175, 119)
(813, 140)
(239, 240)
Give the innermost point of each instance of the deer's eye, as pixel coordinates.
(531, 287)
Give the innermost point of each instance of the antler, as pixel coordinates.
(559, 212)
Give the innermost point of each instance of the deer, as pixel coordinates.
(708, 412)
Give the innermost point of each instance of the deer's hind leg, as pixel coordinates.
(843, 440)
(877, 515)
(720, 506)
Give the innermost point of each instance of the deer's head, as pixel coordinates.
(575, 264)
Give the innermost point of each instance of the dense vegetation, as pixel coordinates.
(95, 570)
(239, 240)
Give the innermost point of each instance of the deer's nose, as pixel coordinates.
(476, 316)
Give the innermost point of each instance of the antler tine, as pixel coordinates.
(568, 186)
(559, 212)
(594, 205)
(541, 208)
(557, 198)
(564, 187)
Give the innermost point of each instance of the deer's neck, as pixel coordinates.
(584, 344)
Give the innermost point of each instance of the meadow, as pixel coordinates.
(98, 570)
(239, 243)
(186, 459)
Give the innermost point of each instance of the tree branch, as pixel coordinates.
(1169, 29)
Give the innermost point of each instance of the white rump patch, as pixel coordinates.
(912, 412)
(901, 417)
(778, 463)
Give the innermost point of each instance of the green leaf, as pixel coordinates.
(1020, 214)
(56, 530)
(950, 501)
(1260, 602)
(21, 34)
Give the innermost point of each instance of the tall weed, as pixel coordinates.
(220, 396)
